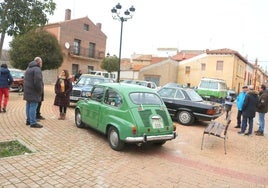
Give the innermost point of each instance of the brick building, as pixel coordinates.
(82, 42)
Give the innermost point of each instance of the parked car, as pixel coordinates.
(212, 89)
(186, 106)
(18, 77)
(82, 88)
(148, 84)
(126, 113)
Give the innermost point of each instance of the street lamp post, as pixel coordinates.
(122, 18)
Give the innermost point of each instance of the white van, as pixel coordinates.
(104, 74)
(212, 89)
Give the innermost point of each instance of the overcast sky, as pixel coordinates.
(240, 25)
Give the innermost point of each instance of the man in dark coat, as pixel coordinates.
(33, 89)
(249, 110)
(262, 109)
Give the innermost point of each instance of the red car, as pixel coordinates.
(18, 77)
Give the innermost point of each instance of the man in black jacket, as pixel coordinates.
(262, 108)
(33, 89)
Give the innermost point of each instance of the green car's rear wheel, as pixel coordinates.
(114, 139)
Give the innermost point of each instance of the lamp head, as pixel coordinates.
(127, 13)
(132, 9)
(118, 6)
(114, 10)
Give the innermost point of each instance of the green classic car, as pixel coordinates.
(126, 113)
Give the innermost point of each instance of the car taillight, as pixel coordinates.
(134, 129)
(211, 111)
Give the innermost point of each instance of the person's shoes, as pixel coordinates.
(40, 118)
(259, 133)
(4, 110)
(256, 132)
(237, 126)
(36, 126)
(27, 123)
(248, 134)
(241, 133)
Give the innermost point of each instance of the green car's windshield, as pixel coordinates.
(145, 98)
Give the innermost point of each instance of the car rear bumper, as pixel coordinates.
(146, 138)
(207, 117)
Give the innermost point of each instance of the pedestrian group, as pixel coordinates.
(248, 103)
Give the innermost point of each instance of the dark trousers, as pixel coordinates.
(63, 109)
(246, 120)
(239, 115)
(38, 114)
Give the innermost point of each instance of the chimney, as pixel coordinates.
(99, 25)
(67, 14)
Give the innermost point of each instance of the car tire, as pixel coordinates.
(78, 119)
(114, 139)
(185, 117)
(20, 88)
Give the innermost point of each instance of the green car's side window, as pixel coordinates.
(97, 94)
(113, 98)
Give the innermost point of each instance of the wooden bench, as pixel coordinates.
(218, 129)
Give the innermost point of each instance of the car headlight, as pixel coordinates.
(85, 93)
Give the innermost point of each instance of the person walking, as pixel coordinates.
(6, 80)
(63, 88)
(228, 105)
(77, 75)
(33, 89)
(239, 103)
(249, 111)
(262, 109)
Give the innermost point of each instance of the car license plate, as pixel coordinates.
(157, 123)
(74, 98)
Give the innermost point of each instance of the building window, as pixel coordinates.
(203, 66)
(92, 49)
(219, 65)
(77, 46)
(75, 68)
(187, 70)
(86, 27)
(90, 68)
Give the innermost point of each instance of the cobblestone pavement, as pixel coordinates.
(66, 156)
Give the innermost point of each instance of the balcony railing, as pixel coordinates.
(84, 52)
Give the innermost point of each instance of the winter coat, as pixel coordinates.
(240, 100)
(63, 98)
(250, 104)
(263, 102)
(5, 78)
(33, 83)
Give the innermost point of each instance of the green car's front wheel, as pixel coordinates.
(78, 119)
(114, 139)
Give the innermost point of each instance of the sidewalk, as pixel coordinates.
(66, 156)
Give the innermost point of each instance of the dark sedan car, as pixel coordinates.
(186, 106)
(82, 88)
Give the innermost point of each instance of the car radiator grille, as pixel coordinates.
(76, 93)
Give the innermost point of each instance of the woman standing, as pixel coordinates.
(63, 87)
